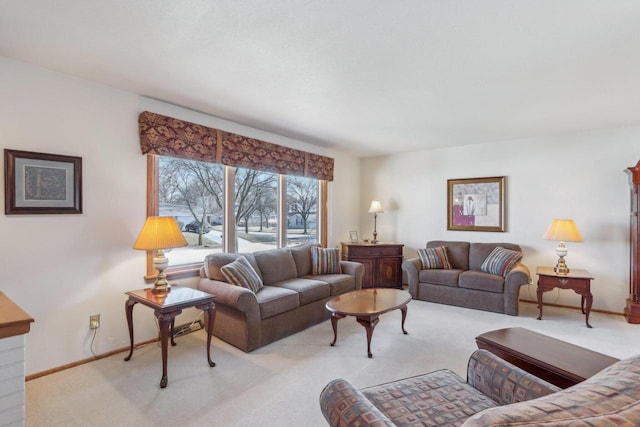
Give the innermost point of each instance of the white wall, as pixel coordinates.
(577, 176)
(62, 268)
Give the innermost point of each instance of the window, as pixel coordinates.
(193, 192)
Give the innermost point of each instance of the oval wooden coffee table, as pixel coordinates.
(366, 305)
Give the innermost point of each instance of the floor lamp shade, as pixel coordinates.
(160, 233)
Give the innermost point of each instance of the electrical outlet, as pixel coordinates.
(94, 321)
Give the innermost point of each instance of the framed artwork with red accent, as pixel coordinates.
(476, 204)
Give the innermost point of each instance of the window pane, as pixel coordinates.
(192, 193)
(302, 210)
(255, 205)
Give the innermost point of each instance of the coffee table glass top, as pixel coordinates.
(368, 301)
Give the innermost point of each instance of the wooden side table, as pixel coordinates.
(382, 263)
(577, 280)
(166, 307)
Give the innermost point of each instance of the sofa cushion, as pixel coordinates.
(302, 257)
(435, 399)
(309, 290)
(478, 252)
(439, 277)
(480, 281)
(338, 283)
(240, 273)
(276, 265)
(457, 252)
(213, 263)
(274, 300)
(500, 261)
(434, 258)
(325, 260)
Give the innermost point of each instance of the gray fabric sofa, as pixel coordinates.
(465, 285)
(496, 393)
(291, 300)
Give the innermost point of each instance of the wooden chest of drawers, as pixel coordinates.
(382, 263)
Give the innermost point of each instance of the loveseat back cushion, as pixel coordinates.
(609, 398)
(274, 300)
(439, 277)
(478, 252)
(480, 281)
(302, 257)
(276, 265)
(213, 263)
(457, 252)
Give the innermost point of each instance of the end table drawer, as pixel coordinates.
(551, 282)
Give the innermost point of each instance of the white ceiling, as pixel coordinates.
(366, 76)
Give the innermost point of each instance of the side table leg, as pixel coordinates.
(404, 316)
(128, 309)
(539, 292)
(334, 324)
(164, 321)
(589, 299)
(211, 317)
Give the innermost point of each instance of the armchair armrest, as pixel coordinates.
(354, 269)
(342, 405)
(412, 267)
(504, 382)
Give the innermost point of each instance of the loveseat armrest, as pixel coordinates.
(412, 267)
(342, 405)
(354, 269)
(237, 297)
(503, 382)
(518, 276)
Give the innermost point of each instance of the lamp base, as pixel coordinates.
(160, 262)
(561, 267)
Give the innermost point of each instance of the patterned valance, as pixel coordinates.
(167, 136)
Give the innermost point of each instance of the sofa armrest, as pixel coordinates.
(354, 269)
(342, 405)
(412, 267)
(503, 382)
(518, 276)
(237, 297)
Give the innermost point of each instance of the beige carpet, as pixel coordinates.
(278, 385)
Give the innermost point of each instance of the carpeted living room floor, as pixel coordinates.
(279, 385)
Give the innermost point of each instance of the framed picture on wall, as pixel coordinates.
(475, 204)
(40, 183)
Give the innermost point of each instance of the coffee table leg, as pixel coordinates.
(334, 324)
(369, 324)
(404, 316)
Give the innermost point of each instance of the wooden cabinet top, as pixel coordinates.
(372, 244)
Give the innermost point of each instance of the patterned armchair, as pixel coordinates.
(496, 393)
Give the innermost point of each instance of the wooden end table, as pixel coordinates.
(577, 280)
(366, 305)
(553, 360)
(166, 307)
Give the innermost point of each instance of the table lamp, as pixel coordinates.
(562, 230)
(375, 209)
(160, 233)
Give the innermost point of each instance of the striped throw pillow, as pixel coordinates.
(241, 273)
(500, 261)
(325, 260)
(434, 258)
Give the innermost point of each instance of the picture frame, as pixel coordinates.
(41, 183)
(353, 237)
(476, 204)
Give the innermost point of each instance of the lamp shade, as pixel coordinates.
(376, 207)
(563, 230)
(160, 232)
